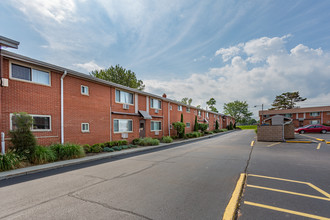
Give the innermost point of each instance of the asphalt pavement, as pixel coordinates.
(288, 180)
(188, 181)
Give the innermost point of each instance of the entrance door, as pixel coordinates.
(301, 123)
(142, 129)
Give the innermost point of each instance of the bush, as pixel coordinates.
(194, 134)
(67, 151)
(179, 127)
(117, 148)
(21, 137)
(208, 132)
(87, 148)
(96, 148)
(122, 142)
(124, 147)
(148, 141)
(136, 141)
(133, 146)
(230, 126)
(203, 127)
(174, 137)
(166, 139)
(8, 161)
(108, 149)
(216, 125)
(42, 155)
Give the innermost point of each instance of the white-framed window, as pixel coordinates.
(156, 126)
(188, 125)
(84, 127)
(180, 108)
(207, 114)
(124, 97)
(84, 90)
(40, 122)
(187, 109)
(314, 114)
(314, 122)
(171, 107)
(155, 103)
(171, 127)
(29, 74)
(288, 115)
(122, 125)
(199, 113)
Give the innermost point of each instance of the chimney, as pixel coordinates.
(164, 95)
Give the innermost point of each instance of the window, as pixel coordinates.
(314, 122)
(84, 127)
(170, 107)
(188, 125)
(40, 122)
(180, 108)
(199, 113)
(207, 114)
(156, 126)
(124, 97)
(314, 114)
(122, 125)
(288, 115)
(84, 90)
(155, 103)
(187, 109)
(30, 74)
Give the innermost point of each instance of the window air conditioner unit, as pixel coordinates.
(125, 106)
(156, 132)
(124, 135)
(156, 111)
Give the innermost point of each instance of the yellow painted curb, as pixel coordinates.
(319, 139)
(298, 142)
(328, 142)
(232, 205)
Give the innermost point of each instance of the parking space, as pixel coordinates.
(280, 198)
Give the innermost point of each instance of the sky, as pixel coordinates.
(229, 50)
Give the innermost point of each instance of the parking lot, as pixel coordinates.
(288, 180)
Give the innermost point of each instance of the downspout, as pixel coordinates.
(62, 108)
(169, 120)
(111, 113)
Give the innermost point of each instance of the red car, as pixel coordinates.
(313, 129)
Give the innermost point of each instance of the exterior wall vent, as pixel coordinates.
(125, 106)
(124, 135)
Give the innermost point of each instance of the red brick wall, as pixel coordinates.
(34, 99)
(93, 109)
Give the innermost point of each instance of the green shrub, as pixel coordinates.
(21, 137)
(179, 127)
(256, 130)
(174, 137)
(96, 148)
(196, 127)
(202, 127)
(87, 148)
(133, 146)
(117, 148)
(42, 155)
(67, 151)
(216, 125)
(230, 126)
(8, 161)
(124, 147)
(122, 142)
(102, 145)
(148, 141)
(108, 149)
(166, 139)
(136, 141)
(208, 132)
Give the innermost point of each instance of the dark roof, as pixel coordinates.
(296, 110)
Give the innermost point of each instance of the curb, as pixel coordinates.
(233, 202)
(308, 142)
(64, 163)
(319, 139)
(327, 142)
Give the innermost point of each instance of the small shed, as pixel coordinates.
(276, 128)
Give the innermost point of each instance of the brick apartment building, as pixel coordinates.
(68, 106)
(302, 116)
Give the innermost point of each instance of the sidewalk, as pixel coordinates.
(58, 164)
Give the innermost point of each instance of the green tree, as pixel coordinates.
(179, 127)
(198, 106)
(186, 100)
(181, 117)
(184, 131)
(119, 75)
(21, 136)
(238, 110)
(196, 124)
(287, 100)
(216, 125)
(211, 103)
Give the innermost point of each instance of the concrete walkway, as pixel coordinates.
(58, 164)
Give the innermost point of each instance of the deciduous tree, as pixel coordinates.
(238, 110)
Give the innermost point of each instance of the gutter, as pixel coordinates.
(62, 108)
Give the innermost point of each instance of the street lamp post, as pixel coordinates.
(262, 113)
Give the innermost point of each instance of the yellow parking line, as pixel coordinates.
(319, 139)
(318, 146)
(299, 142)
(327, 142)
(289, 192)
(273, 144)
(286, 210)
(294, 181)
(252, 143)
(232, 205)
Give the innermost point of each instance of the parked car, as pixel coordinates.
(313, 129)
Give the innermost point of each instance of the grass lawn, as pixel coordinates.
(247, 126)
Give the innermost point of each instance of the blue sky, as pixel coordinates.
(229, 50)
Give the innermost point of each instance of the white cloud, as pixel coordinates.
(89, 66)
(228, 53)
(300, 69)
